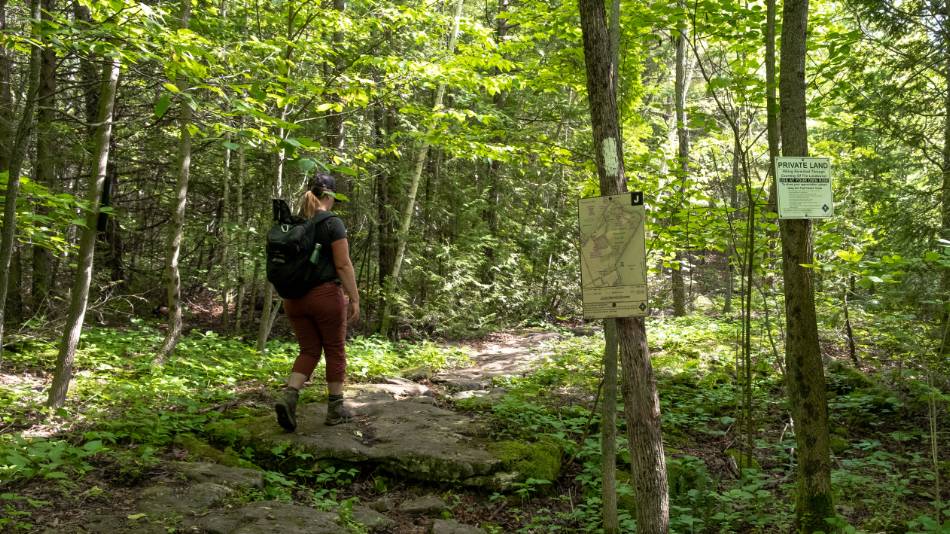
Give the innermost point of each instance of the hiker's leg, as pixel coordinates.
(308, 338)
(332, 321)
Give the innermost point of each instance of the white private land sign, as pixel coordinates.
(613, 256)
(804, 188)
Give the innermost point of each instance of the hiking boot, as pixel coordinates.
(337, 413)
(286, 408)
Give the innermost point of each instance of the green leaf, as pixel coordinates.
(162, 105)
(171, 87)
(849, 256)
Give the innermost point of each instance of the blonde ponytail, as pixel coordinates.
(309, 205)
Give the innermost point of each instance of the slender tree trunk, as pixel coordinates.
(608, 429)
(402, 237)
(682, 137)
(848, 330)
(494, 171)
(804, 370)
(18, 145)
(15, 297)
(771, 101)
(641, 403)
(608, 432)
(226, 241)
(7, 108)
(335, 124)
(733, 200)
(239, 217)
(269, 313)
(945, 212)
(177, 230)
(87, 245)
(45, 158)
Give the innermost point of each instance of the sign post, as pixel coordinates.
(804, 188)
(613, 256)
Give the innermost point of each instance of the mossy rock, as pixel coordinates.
(845, 379)
(540, 460)
(838, 444)
(230, 432)
(201, 450)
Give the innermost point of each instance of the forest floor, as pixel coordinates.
(180, 489)
(494, 436)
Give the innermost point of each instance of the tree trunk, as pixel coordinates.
(493, 174)
(269, 312)
(15, 297)
(45, 159)
(17, 145)
(226, 241)
(402, 237)
(771, 101)
(608, 429)
(177, 230)
(641, 404)
(239, 217)
(945, 212)
(804, 371)
(682, 137)
(386, 191)
(87, 244)
(335, 124)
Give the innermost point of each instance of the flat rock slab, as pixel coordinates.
(171, 500)
(232, 477)
(269, 517)
(448, 526)
(410, 437)
(425, 505)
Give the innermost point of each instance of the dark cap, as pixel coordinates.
(324, 183)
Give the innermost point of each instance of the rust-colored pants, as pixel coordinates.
(319, 321)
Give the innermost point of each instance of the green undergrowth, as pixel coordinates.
(120, 399)
(124, 416)
(883, 477)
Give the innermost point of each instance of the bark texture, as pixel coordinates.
(945, 280)
(682, 167)
(177, 230)
(16, 142)
(805, 378)
(641, 403)
(87, 243)
(45, 158)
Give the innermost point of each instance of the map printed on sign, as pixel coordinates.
(613, 256)
(804, 188)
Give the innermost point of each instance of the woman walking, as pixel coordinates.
(319, 318)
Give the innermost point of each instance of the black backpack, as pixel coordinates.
(296, 261)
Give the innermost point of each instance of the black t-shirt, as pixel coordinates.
(327, 232)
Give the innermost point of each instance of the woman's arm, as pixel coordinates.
(347, 274)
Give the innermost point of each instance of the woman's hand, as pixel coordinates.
(353, 314)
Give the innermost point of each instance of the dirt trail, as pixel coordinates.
(500, 355)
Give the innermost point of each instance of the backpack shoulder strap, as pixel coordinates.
(322, 216)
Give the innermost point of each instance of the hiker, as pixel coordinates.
(319, 318)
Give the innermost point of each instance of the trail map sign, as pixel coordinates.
(613, 256)
(804, 188)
